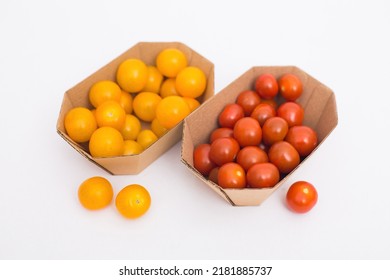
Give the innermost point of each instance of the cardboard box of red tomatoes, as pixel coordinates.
(78, 96)
(320, 114)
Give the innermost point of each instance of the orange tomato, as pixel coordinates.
(168, 88)
(192, 103)
(131, 128)
(110, 113)
(126, 102)
(170, 62)
(191, 82)
(133, 201)
(157, 128)
(103, 91)
(80, 123)
(106, 142)
(146, 138)
(172, 110)
(132, 75)
(95, 193)
(154, 80)
(145, 104)
(132, 148)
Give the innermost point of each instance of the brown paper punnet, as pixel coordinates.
(78, 96)
(317, 100)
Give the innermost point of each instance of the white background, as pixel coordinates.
(46, 47)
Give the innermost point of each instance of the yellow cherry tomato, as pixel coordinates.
(126, 102)
(144, 105)
(170, 62)
(110, 113)
(95, 193)
(172, 110)
(132, 148)
(103, 91)
(132, 75)
(157, 128)
(191, 82)
(80, 123)
(168, 88)
(106, 142)
(131, 128)
(192, 103)
(154, 80)
(146, 138)
(133, 201)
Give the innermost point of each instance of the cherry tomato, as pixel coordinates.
(301, 197)
(230, 115)
(247, 132)
(262, 112)
(303, 139)
(248, 100)
(290, 87)
(266, 86)
(221, 132)
(271, 102)
(224, 150)
(274, 130)
(251, 155)
(263, 175)
(284, 156)
(202, 160)
(213, 175)
(292, 112)
(231, 175)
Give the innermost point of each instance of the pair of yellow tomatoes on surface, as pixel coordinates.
(130, 114)
(132, 201)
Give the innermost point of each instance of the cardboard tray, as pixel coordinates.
(78, 96)
(317, 100)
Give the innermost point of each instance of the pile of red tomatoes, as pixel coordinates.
(258, 140)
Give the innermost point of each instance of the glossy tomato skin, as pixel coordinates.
(202, 161)
(290, 87)
(230, 115)
(266, 86)
(284, 156)
(274, 129)
(262, 112)
(224, 150)
(213, 175)
(248, 100)
(251, 155)
(303, 139)
(231, 175)
(301, 197)
(292, 112)
(221, 132)
(247, 132)
(263, 175)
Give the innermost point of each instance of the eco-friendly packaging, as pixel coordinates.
(317, 100)
(78, 96)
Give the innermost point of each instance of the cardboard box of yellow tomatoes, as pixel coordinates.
(317, 100)
(79, 96)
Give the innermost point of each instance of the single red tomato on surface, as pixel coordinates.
(284, 156)
(301, 197)
(230, 114)
(263, 175)
(224, 150)
(292, 112)
(247, 132)
(274, 130)
(221, 132)
(231, 175)
(262, 112)
(248, 100)
(202, 161)
(251, 155)
(290, 87)
(266, 86)
(303, 139)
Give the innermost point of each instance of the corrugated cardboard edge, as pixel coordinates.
(322, 102)
(126, 165)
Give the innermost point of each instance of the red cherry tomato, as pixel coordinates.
(284, 156)
(247, 132)
(301, 197)
(266, 86)
(213, 175)
(224, 150)
(262, 112)
(202, 161)
(231, 175)
(292, 112)
(263, 175)
(274, 130)
(271, 102)
(290, 87)
(221, 132)
(230, 115)
(248, 100)
(303, 139)
(251, 155)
